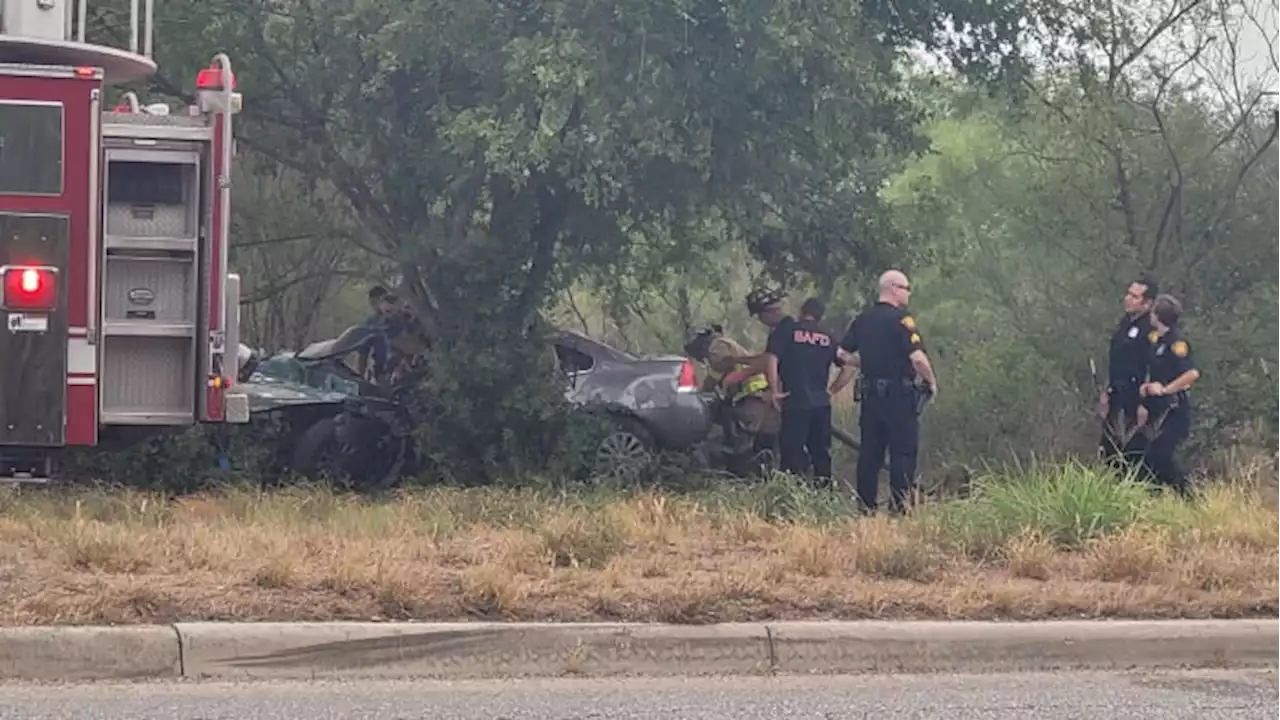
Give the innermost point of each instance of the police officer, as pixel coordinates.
(798, 359)
(885, 343)
(1119, 404)
(1165, 394)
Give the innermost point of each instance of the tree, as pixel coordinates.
(1128, 157)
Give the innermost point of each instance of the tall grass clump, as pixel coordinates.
(1066, 505)
(780, 498)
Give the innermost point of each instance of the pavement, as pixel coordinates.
(1161, 695)
(460, 651)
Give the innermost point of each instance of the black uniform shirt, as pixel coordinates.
(884, 336)
(805, 355)
(1170, 356)
(1130, 346)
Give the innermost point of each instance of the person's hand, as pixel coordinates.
(1143, 415)
(776, 398)
(1151, 389)
(1104, 405)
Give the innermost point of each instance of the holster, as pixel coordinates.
(923, 394)
(883, 388)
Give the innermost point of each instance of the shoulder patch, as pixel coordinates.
(1180, 348)
(915, 338)
(1153, 336)
(909, 323)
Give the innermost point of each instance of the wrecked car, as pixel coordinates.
(336, 422)
(654, 402)
(328, 419)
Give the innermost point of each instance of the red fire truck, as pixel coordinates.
(120, 313)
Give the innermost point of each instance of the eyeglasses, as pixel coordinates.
(903, 287)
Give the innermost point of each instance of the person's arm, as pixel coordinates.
(848, 371)
(772, 356)
(771, 373)
(848, 358)
(721, 357)
(914, 345)
(1188, 373)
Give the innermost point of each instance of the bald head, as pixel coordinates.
(894, 288)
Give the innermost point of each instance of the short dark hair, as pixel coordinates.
(1148, 281)
(1167, 310)
(376, 292)
(813, 308)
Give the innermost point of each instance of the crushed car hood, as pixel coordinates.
(267, 394)
(278, 382)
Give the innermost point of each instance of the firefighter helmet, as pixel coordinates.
(759, 299)
(698, 340)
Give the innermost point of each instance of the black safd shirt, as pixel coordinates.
(1169, 357)
(1129, 351)
(884, 336)
(805, 355)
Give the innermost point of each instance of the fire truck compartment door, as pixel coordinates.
(33, 346)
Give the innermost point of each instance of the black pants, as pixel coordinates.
(889, 421)
(806, 440)
(1171, 428)
(1121, 446)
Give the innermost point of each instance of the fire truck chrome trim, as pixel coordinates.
(82, 358)
(44, 71)
(124, 417)
(157, 132)
(95, 213)
(224, 200)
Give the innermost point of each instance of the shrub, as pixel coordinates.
(1066, 505)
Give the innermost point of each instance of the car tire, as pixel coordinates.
(320, 455)
(317, 452)
(627, 452)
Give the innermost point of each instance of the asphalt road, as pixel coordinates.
(1217, 695)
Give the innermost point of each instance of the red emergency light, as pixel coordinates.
(29, 288)
(210, 78)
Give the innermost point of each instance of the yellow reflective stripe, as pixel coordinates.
(757, 384)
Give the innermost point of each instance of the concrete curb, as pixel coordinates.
(490, 650)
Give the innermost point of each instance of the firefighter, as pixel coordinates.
(798, 359)
(1119, 404)
(1166, 393)
(751, 418)
(884, 343)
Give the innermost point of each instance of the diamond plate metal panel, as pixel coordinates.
(165, 288)
(151, 221)
(148, 374)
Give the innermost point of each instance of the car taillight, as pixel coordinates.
(688, 377)
(29, 288)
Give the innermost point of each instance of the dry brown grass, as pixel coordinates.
(128, 557)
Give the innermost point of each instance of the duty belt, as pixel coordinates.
(878, 386)
(1129, 383)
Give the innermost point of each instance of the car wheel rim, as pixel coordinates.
(622, 454)
(335, 462)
